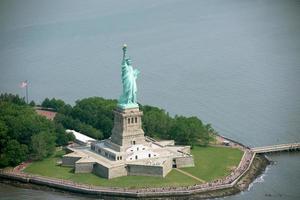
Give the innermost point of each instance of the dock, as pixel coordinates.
(277, 148)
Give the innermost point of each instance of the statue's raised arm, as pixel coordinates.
(124, 53)
(129, 75)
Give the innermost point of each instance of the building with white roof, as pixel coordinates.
(81, 138)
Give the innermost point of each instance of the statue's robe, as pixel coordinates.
(129, 76)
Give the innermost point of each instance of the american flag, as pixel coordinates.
(23, 84)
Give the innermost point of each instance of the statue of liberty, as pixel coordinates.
(129, 75)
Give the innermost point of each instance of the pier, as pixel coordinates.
(277, 148)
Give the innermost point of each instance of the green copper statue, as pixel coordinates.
(129, 75)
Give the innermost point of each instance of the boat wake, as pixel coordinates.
(259, 179)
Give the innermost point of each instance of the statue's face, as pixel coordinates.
(128, 62)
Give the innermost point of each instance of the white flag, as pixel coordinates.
(23, 84)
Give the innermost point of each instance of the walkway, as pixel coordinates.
(276, 148)
(190, 175)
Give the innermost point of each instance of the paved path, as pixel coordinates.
(190, 175)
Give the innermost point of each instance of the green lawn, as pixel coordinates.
(211, 163)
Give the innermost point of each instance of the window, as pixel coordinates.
(131, 119)
(133, 142)
(135, 120)
(128, 120)
(136, 157)
(149, 155)
(120, 157)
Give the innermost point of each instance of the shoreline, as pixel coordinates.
(258, 166)
(255, 168)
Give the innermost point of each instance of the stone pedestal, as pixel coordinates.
(127, 130)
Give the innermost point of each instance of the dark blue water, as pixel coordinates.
(235, 64)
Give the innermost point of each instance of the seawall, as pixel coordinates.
(202, 191)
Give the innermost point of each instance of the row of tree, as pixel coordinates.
(24, 134)
(94, 117)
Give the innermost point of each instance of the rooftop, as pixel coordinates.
(80, 137)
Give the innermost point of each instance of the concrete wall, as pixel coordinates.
(186, 149)
(109, 173)
(100, 170)
(184, 162)
(69, 161)
(167, 167)
(143, 170)
(84, 167)
(117, 171)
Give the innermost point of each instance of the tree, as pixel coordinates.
(156, 122)
(62, 138)
(21, 128)
(32, 103)
(55, 104)
(75, 124)
(96, 112)
(12, 98)
(189, 130)
(3, 136)
(42, 145)
(14, 153)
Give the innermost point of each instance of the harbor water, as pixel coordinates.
(234, 64)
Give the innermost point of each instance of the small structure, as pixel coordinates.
(128, 151)
(226, 143)
(46, 112)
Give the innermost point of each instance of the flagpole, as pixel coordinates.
(26, 91)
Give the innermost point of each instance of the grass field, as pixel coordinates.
(210, 163)
(214, 162)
